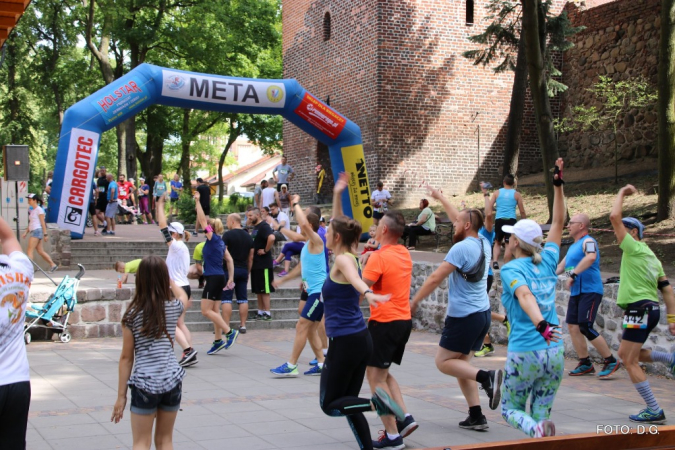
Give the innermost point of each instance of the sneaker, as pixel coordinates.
(111, 232)
(495, 265)
(406, 426)
(267, 318)
(216, 347)
(105, 223)
(242, 330)
(283, 273)
(582, 369)
(493, 387)
(314, 362)
(53, 269)
(544, 428)
(315, 371)
(97, 233)
(507, 324)
(477, 424)
(649, 416)
(259, 316)
(230, 338)
(188, 359)
(391, 444)
(285, 371)
(486, 350)
(275, 263)
(104, 232)
(609, 369)
(385, 405)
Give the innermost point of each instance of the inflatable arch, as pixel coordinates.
(147, 85)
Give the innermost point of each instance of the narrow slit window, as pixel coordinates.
(469, 12)
(326, 27)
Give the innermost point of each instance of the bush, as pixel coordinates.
(186, 209)
(235, 203)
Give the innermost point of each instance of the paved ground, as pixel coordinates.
(230, 400)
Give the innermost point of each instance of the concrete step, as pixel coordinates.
(281, 293)
(277, 313)
(274, 324)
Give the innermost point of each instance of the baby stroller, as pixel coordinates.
(54, 314)
(133, 211)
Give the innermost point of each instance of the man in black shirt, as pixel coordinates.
(262, 274)
(101, 195)
(204, 199)
(240, 245)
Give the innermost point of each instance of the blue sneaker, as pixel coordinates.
(315, 371)
(285, 370)
(217, 346)
(649, 416)
(582, 369)
(230, 338)
(609, 369)
(390, 444)
(314, 362)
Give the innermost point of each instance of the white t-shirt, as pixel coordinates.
(281, 217)
(267, 196)
(380, 197)
(16, 276)
(34, 218)
(178, 262)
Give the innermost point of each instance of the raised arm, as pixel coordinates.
(450, 209)
(315, 242)
(201, 217)
(340, 186)
(8, 239)
(616, 215)
(489, 217)
(558, 221)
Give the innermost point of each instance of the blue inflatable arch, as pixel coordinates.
(147, 85)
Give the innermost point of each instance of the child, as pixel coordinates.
(126, 268)
(372, 244)
(37, 229)
(147, 363)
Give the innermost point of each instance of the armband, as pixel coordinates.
(557, 181)
(661, 285)
(208, 229)
(671, 318)
(166, 234)
(590, 247)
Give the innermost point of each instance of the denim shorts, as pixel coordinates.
(145, 403)
(37, 233)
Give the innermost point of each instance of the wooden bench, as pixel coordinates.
(444, 232)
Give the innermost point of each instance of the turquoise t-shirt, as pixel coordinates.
(506, 204)
(541, 279)
(466, 298)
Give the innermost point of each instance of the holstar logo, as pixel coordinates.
(109, 100)
(175, 83)
(275, 94)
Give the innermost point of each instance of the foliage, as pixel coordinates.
(186, 208)
(235, 203)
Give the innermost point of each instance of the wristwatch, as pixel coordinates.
(574, 275)
(367, 291)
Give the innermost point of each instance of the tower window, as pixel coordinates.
(469, 12)
(326, 26)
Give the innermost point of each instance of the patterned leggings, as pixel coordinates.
(537, 374)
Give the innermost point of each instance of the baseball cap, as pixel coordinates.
(527, 230)
(632, 222)
(176, 227)
(31, 196)
(284, 186)
(199, 180)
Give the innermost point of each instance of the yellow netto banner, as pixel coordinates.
(359, 188)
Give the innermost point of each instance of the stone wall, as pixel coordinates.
(620, 41)
(59, 246)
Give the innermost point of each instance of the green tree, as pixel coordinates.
(666, 112)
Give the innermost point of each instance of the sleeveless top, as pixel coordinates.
(313, 270)
(341, 307)
(284, 199)
(506, 204)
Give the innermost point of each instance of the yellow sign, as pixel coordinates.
(359, 188)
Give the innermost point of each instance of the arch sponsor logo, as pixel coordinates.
(359, 187)
(275, 94)
(175, 83)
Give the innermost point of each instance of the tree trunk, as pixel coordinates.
(185, 148)
(233, 135)
(533, 25)
(121, 130)
(666, 112)
(151, 159)
(13, 101)
(131, 148)
(515, 121)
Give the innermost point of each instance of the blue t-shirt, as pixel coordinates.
(110, 195)
(491, 239)
(177, 185)
(466, 298)
(541, 279)
(213, 254)
(145, 187)
(589, 281)
(506, 204)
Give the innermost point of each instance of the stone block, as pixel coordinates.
(93, 313)
(81, 296)
(610, 325)
(118, 330)
(74, 317)
(123, 294)
(106, 330)
(114, 312)
(108, 294)
(92, 331)
(93, 294)
(78, 331)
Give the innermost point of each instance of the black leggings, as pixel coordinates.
(341, 381)
(412, 232)
(14, 404)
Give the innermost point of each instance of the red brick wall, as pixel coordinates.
(395, 68)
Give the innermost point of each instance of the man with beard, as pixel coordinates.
(262, 273)
(468, 315)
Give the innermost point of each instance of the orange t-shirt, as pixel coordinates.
(390, 268)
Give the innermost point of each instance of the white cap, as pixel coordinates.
(527, 230)
(176, 227)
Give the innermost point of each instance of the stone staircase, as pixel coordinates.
(102, 255)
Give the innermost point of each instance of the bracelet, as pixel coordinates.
(367, 291)
(671, 318)
(295, 204)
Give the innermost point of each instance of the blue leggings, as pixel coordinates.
(292, 248)
(535, 375)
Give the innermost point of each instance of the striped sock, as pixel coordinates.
(665, 358)
(646, 392)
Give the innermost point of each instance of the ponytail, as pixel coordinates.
(186, 236)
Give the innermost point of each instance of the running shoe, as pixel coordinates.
(217, 346)
(544, 428)
(53, 269)
(474, 424)
(230, 338)
(267, 317)
(486, 350)
(242, 330)
(314, 362)
(315, 371)
(275, 263)
(406, 426)
(284, 370)
(390, 444)
(649, 416)
(283, 273)
(259, 316)
(609, 369)
(493, 387)
(385, 405)
(507, 324)
(188, 359)
(495, 265)
(582, 369)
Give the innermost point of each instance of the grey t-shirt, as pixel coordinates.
(283, 172)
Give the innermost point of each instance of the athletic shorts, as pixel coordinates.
(92, 209)
(465, 334)
(37, 233)
(377, 215)
(174, 200)
(313, 309)
(187, 290)
(101, 204)
(14, 404)
(389, 339)
(240, 287)
(145, 403)
(499, 234)
(213, 290)
(111, 209)
(261, 281)
(583, 308)
(636, 334)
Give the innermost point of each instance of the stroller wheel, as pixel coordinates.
(27, 338)
(65, 337)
